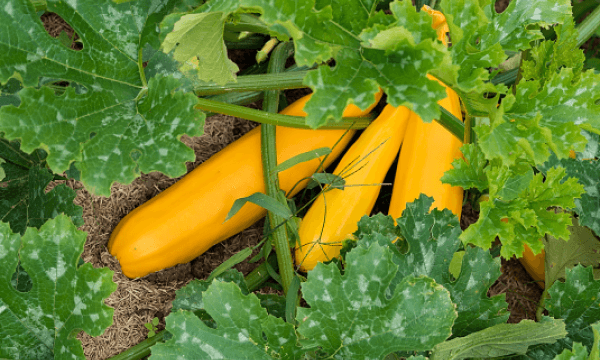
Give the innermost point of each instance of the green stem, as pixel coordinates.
(269, 159)
(141, 68)
(588, 27)
(142, 349)
(243, 98)
(467, 139)
(249, 23)
(260, 274)
(277, 119)
(452, 123)
(286, 80)
(252, 42)
(540, 308)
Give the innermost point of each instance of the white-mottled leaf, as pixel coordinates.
(39, 324)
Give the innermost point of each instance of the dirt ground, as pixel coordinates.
(138, 301)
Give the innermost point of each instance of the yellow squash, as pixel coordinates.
(188, 218)
(334, 215)
(426, 155)
(428, 152)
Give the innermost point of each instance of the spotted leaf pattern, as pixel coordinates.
(64, 298)
(117, 127)
(357, 316)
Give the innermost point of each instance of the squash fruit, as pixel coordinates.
(429, 151)
(334, 215)
(188, 218)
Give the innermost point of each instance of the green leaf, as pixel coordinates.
(190, 297)
(480, 38)
(433, 239)
(199, 46)
(469, 172)
(501, 340)
(356, 316)
(231, 262)
(24, 201)
(456, 263)
(243, 330)
(540, 119)
(371, 50)
(64, 298)
(576, 302)
(264, 201)
(548, 57)
(118, 128)
(307, 156)
(524, 208)
(588, 174)
(582, 248)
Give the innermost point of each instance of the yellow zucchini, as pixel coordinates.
(188, 218)
(334, 215)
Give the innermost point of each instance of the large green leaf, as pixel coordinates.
(118, 128)
(371, 49)
(357, 316)
(243, 330)
(433, 238)
(581, 352)
(518, 210)
(588, 174)
(480, 37)
(576, 302)
(582, 248)
(65, 298)
(24, 201)
(198, 43)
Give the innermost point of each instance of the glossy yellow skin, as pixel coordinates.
(428, 151)
(426, 155)
(188, 218)
(334, 215)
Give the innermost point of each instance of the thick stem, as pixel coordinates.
(269, 158)
(282, 81)
(260, 274)
(248, 23)
(277, 119)
(142, 349)
(452, 124)
(588, 27)
(468, 129)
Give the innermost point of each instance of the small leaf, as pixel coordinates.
(264, 201)
(300, 158)
(229, 263)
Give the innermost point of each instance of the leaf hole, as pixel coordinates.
(92, 134)
(58, 28)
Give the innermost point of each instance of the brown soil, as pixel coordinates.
(138, 301)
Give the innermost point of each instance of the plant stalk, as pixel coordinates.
(286, 80)
(248, 23)
(142, 349)
(260, 274)
(452, 124)
(269, 159)
(588, 27)
(277, 119)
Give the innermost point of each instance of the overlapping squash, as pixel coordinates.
(188, 218)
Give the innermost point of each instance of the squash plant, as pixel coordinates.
(148, 70)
